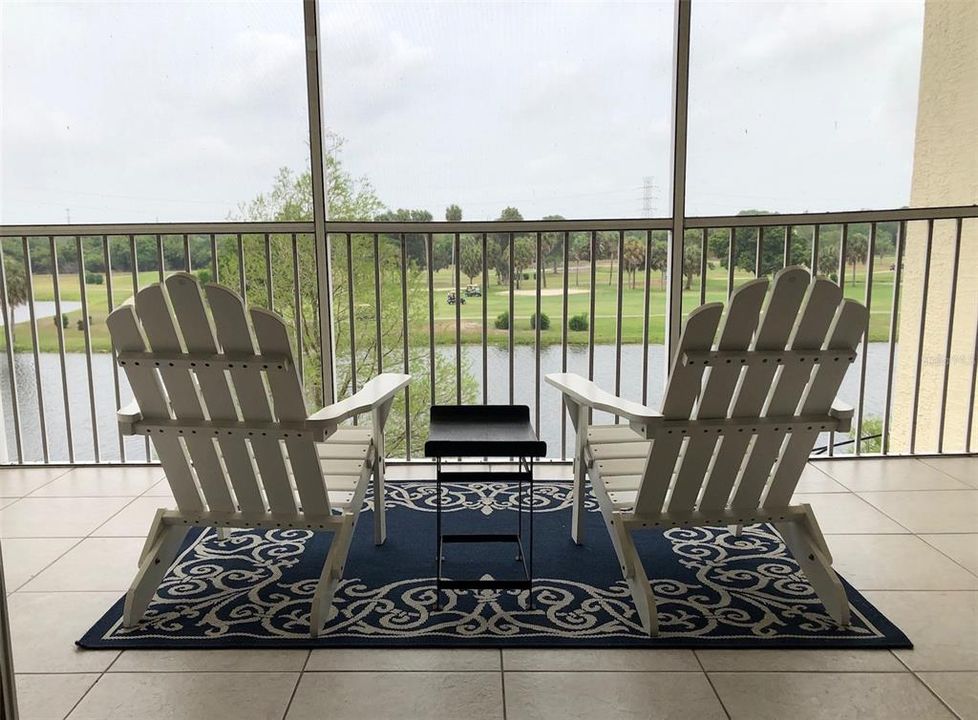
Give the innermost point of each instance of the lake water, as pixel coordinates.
(498, 392)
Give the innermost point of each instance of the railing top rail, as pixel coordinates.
(187, 228)
(834, 218)
(497, 226)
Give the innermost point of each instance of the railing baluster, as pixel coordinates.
(816, 236)
(646, 302)
(915, 405)
(731, 260)
(29, 287)
(591, 292)
(536, 339)
(269, 291)
(134, 269)
(485, 321)
(378, 306)
(758, 249)
(429, 254)
(787, 246)
(87, 333)
(110, 304)
(8, 325)
(159, 257)
(891, 340)
(404, 340)
(214, 273)
(512, 322)
(456, 255)
(241, 267)
(969, 426)
(843, 251)
(187, 265)
(297, 308)
(563, 344)
(703, 266)
(351, 308)
(618, 314)
(952, 299)
(864, 351)
(56, 284)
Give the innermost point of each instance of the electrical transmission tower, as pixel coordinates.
(648, 196)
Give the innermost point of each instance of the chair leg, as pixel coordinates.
(736, 529)
(162, 545)
(578, 496)
(634, 573)
(805, 542)
(380, 511)
(322, 601)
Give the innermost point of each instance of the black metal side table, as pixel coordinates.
(484, 431)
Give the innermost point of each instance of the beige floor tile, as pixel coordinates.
(45, 626)
(943, 626)
(397, 696)
(94, 564)
(874, 475)
(961, 547)
(210, 661)
(23, 558)
(51, 697)
(832, 696)
(847, 513)
(959, 690)
(396, 659)
(800, 660)
(586, 696)
(160, 489)
(964, 469)
(954, 511)
(599, 660)
(135, 520)
(57, 517)
(17, 482)
(102, 482)
(896, 562)
(814, 480)
(181, 696)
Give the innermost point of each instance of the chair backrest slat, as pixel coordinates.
(818, 310)
(289, 404)
(146, 388)
(847, 328)
(736, 333)
(681, 393)
(234, 334)
(198, 336)
(154, 313)
(776, 322)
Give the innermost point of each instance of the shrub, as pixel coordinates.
(203, 275)
(577, 322)
(94, 278)
(544, 321)
(502, 320)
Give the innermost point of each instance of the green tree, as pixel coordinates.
(453, 213)
(828, 260)
(349, 198)
(414, 242)
(470, 258)
(16, 290)
(857, 250)
(692, 257)
(633, 259)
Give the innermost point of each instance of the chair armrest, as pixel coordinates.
(128, 416)
(842, 412)
(371, 396)
(584, 392)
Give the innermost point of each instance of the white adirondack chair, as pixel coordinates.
(235, 456)
(742, 410)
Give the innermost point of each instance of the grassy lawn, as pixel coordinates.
(497, 301)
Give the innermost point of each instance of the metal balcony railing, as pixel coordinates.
(541, 296)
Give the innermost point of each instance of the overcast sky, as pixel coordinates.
(179, 111)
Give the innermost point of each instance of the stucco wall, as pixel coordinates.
(945, 172)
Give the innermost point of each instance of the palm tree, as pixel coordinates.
(15, 286)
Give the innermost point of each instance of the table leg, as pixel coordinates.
(438, 549)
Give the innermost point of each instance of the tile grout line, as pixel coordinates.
(502, 681)
(295, 688)
(712, 686)
(924, 540)
(931, 690)
(20, 588)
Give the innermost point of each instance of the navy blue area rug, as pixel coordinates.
(714, 589)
